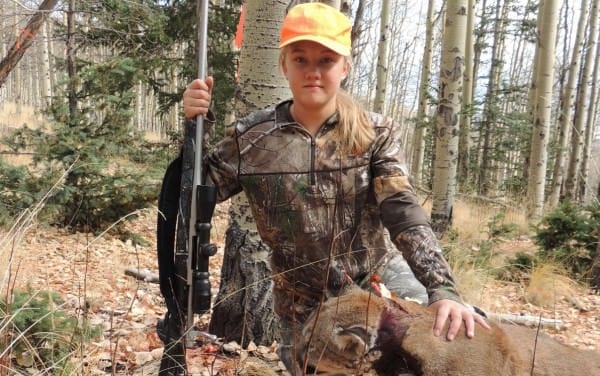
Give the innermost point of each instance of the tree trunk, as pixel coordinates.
(422, 123)
(3, 11)
(591, 110)
(578, 139)
(491, 110)
(46, 68)
(356, 31)
(595, 270)
(465, 122)
(71, 67)
(532, 93)
(243, 309)
(50, 44)
(543, 107)
(382, 58)
(24, 39)
(478, 47)
(448, 114)
(566, 112)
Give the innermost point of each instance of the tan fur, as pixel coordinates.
(402, 330)
(340, 333)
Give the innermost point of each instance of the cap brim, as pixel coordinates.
(332, 45)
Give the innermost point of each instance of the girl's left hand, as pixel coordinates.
(457, 313)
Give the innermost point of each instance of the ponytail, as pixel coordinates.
(354, 125)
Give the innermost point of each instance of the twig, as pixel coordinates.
(537, 334)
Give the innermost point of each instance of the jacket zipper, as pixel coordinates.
(312, 173)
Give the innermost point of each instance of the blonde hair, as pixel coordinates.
(355, 130)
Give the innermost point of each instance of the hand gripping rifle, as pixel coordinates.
(185, 277)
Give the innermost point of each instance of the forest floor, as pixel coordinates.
(77, 265)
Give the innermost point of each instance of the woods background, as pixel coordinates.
(510, 50)
(498, 99)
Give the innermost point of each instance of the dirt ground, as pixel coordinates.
(82, 265)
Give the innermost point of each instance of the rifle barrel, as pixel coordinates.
(202, 10)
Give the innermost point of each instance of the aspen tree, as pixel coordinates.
(247, 315)
(421, 126)
(543, 104)
(46, 68)
(448, 114)
(578, 133)
(490, 111)
(382, 59)
(590, 119)
(465, 122)
(566, 110)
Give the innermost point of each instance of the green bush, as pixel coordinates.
(16, 193)
(569, 235)
(43, 335)
(498, 228)
(517, 268)
(93, 153)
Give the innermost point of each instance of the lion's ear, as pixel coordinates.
(355, 339)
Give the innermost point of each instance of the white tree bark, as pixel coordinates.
(46, 69)
(16, 92)
(582, 103)
(491, 100)
(382, 58)
(448, 114)
(465, 122)
(543, 106)
(566, 110)
(247, 315)
(584, 189)
(52, 71)
(421, 126)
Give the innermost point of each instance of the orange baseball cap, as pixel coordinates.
(319, 23)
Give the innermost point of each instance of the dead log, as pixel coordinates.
(526, 320)
(142, 274)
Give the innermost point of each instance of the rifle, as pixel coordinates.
(184, 277)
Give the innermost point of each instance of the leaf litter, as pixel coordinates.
(89, 274)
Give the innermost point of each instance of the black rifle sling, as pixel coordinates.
(174, 214)
(166, 225)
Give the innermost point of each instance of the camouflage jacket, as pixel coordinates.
(322, 214)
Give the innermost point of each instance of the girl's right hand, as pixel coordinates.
(196, 97)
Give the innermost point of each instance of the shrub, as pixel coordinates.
(569, 235)
(498, 228)
(517, 268)
(15, 192)
(97, 151)
(43, 336)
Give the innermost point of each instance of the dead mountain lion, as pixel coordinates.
(361, 332)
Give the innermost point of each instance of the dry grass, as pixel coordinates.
(471, 263)
(153, 137)
(12, 118)
(471, 221)
(473, 268)
(548, 284)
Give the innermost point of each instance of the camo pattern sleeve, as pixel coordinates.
(420, 248)
(395, 195)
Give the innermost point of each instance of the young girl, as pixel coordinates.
(325, 179)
